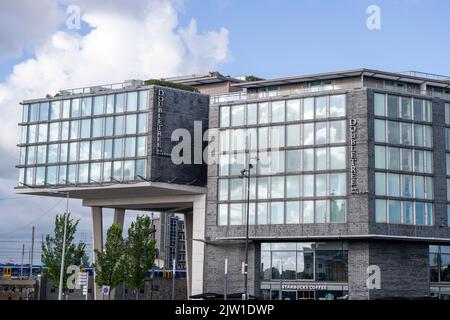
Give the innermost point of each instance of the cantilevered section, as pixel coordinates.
(196, 80)
(408, 77)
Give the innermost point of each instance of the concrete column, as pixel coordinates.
(119, 217)
(188, 238)
(97, 237)
(198, 245)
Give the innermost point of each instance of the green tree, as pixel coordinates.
(109, 266)
(52, 246)
(139, 253)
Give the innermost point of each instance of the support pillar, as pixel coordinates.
(119, 217)
(198, 244)
(188, 239)
(97, 238)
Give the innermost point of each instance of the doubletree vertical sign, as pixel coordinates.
(160, 123)
(353, 159)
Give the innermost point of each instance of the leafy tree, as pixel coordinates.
(139, 253)
(52, 246)
(109, 266)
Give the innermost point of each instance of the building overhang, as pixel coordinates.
(116, 191)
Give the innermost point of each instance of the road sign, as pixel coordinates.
(105, 290)
(82, 278)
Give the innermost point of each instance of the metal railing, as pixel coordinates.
(101, 88)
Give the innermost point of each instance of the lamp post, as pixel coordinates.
(63, 254)
(246, 173)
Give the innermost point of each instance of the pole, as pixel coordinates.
(226, 280)
(250, 166)
(32, 252)
(21, 265)
(63, 254)
(173, 278)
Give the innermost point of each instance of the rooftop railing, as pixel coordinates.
(102, 88)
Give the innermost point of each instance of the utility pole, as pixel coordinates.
(175, 259)
(153, 236)
(32, 252)
(63, 254)
(21, 264)
(246, 173)
(226, 280)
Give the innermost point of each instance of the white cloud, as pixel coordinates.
(145, 42)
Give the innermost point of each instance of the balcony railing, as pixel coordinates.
(102, 88)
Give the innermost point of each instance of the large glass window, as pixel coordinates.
(237, 115)
(131, 124)
(86, 106)
(337, 106)
(278, 111)
(99, 105)
(132, 100)
(97, 127)
(292, 110)
(55, 110)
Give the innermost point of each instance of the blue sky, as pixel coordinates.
(263, 38)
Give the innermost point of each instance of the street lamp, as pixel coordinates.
(63, 254)
(246, 173)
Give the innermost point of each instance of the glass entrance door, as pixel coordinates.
(289, 295)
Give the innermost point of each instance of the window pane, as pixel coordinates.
(108, 149)
(44, 112)
(34, 112)
(337, 131)
(263, 187)
(308, 159)
(51, 174)
(86, 106)
(380, 157)
(41, 154)
(321, 133)
(277, 111)
(54, 131)
(85, 128)
(110, 103)
(418, 160)
(120, 102)
(223, 189)
(73, 147)
(420, 213)
(142, 126)
(308, 133)
(263, 112)
(308, 185)
(109, 123)
(380, 211)
(65, 108)
(419, 183)
(140, 168)
(380, 184)
(406, 108)
(74, 129)
(252, 113)
(337, 158)
(407, 186)
(117, 170)
(107, 174)
(418, 110)
(84, 150)
(293, 110)
(337, 106)
(99, 104)
(262, 213)
(293, 186)
(65, 130)
(408, 212)
(222, 219)
(338, 185)
(277, 136)
(393, 158)
(236, 189)
(321, 211)
(393, 185)
(52, 153)
(97, 127)
(277, 213)
(418, 135)
(338, 210)
(118, 125)
(277, 162)
(293, 135)
(235, 214)
(293, 160)
(406, 133)
(118, 145)
(43, 131)
(40, 176)
(393, 132)
(277, 187)
(55, 110)
(292, 212)
(392, 106)
(379, 104)
(394, 211)
(63, 152)
(72, 173)
(321, 185)
(141, 146)
(321, 107)
(321, 159)
(380, 131)
(130, 147)
(406, 159)
(128, 170)
(96, 150)
(131, 124)
(83, 175)
(96, 172)
(132, 101)
(143, 99)
(308, 211)
(237, 115)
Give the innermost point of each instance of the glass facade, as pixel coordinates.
(92, 139)
(439, 263)
(289, 265)
(298, 149)
(403, 160)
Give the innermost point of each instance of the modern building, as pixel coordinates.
(170, 240)
(347, 195)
